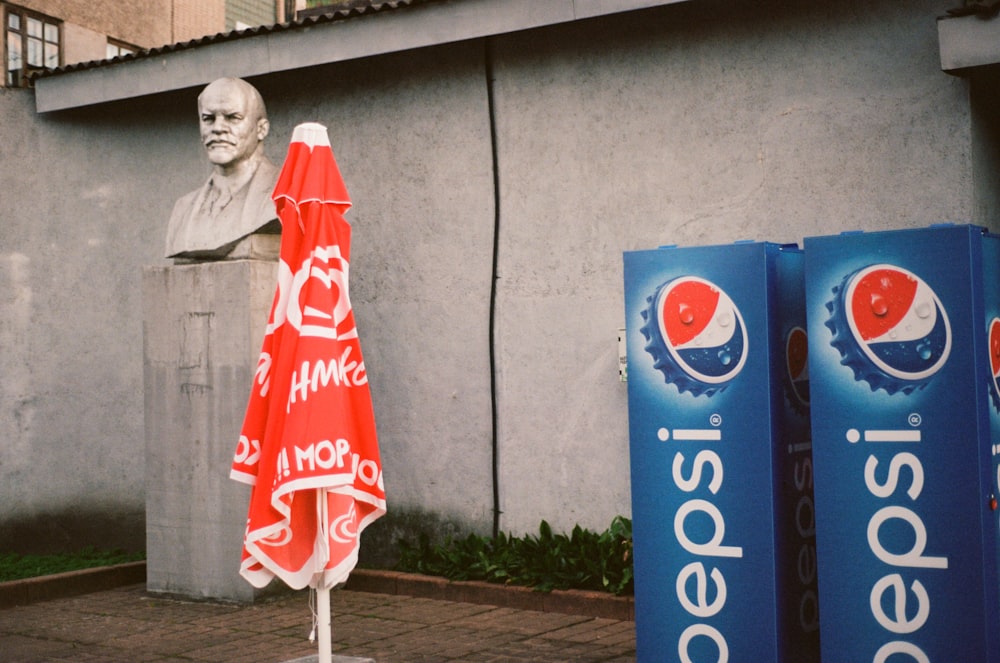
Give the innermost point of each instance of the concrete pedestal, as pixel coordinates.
(203, 327)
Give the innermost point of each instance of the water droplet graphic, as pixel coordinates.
(924, 309)
(725, 358)
(879, 305)
(924, 350)
(724, 319)
(686, 314)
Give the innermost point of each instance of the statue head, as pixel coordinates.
(233, 123)
(235, 202)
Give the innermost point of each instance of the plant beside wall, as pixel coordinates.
(581, 560)
(16, 567)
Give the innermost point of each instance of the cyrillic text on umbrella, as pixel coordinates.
(311, 378)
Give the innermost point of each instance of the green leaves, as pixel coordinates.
(15, 567)
(581, 560)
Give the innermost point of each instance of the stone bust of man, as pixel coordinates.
(235, 202)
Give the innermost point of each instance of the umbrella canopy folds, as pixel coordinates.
(308, 445)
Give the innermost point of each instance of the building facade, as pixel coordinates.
(500, 158)
(48, 34)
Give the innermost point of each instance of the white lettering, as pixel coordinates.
(263, 374)
(897, 647)
(706, 631)
(333, 278)
(711, 547)
(806, 525)
(340, 372)
(693, 584)
(911, 558)
(699, 607)
(308, 455)
(281, 470)
(247, 451)
(368, 472)
(343, 448)
(804, 480)
(327, 455)
(702, 458)
(904, 459)
(807, 564)
(900, 624)
(809, 612)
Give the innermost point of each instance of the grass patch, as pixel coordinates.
(16, 567)
(580, 560)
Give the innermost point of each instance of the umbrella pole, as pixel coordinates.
(323, 616)
(323, 593)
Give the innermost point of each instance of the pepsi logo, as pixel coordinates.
(702, 331)
(994, 348)
(897, 322)
(796, 361)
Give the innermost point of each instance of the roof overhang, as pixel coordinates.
(968, 43)
(271, 51)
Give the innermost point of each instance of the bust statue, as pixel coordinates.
(235, 202)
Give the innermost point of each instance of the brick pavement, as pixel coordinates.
(128, 625)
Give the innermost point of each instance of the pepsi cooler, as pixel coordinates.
(904, 347)
(718, 402)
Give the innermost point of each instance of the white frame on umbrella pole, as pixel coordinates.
(323, 594)
(325, 627)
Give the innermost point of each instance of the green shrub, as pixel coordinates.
(16, 567)
(581, 560)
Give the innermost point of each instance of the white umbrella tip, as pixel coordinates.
(311, 133)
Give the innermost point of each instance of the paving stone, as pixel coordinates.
(126, 624)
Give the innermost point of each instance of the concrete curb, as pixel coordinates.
(570, 602)
(72, 583)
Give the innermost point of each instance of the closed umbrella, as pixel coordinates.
(308, 445)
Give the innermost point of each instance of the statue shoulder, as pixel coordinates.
(259, 202)
(183, 204)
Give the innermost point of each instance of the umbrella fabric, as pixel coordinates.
(308, 444)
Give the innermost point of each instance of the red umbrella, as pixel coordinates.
(308, 444)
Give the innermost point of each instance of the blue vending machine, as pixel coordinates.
(904, 352)
(722, 504)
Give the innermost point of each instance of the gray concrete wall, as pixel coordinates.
(83, 198)
(702, 122)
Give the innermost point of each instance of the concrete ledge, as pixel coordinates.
(967, 42)
(71, 583)
(571, 602)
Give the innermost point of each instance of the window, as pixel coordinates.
(32, 42)
(117, 48)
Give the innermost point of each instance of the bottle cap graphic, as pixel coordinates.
(797, 363)
(890, 328)
(994, 346)
(695, 334)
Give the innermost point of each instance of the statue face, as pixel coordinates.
(231, 124)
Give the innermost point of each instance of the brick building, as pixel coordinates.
(46, 34)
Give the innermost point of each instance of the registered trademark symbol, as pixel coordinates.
(715, 419)
(914, 419)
